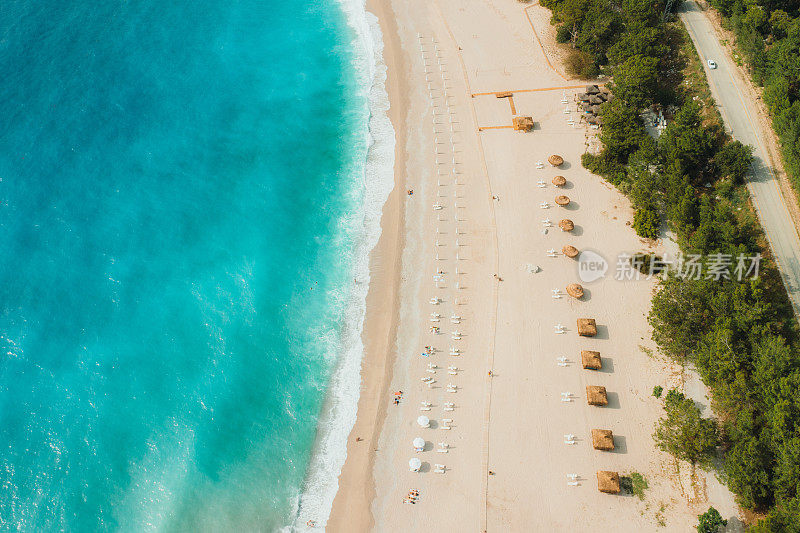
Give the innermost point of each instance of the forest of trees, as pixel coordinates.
(740, 334)
(768, 36)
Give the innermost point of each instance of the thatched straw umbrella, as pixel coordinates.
(602, 439)
(575, 290)
(594, 110)
(562, 200)
(608, 481)
(583, 97)
(586, 107)
(596, 395)
(556, 160)
(559, 181)
(522, 123)
(566, 225)
(595, 100)
(587, 327)
(570, 251)
(591, 360)
(592, 89)
(593, 120)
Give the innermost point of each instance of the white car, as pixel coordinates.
(712, 64)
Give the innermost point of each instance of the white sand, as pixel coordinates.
(514, 422)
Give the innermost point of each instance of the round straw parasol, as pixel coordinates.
(424, 421)
(414, 464)
(575, 290)
(555, 160)
(566, 225)
(570, 251)
(559, 181)
(562, 200)
(418, 443)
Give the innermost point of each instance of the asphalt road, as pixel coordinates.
(763, 184)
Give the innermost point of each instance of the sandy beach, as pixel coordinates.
(467, 253)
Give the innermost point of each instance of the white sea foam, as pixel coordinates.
(339, 413)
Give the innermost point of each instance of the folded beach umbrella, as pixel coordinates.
(414, 464)
(423, 421)
(419, 443)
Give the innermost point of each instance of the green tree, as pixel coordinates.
(684, 432)
(622, 131)
(783, 518)
(734, 159)
(779, 22)
(635, 81)
(710, 521)
(641, 41)
(685, 145)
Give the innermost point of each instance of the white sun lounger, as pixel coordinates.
(573, 483)
(452, 372)
(430, 370)
(544, 205)
(424, 408)
(442, 450)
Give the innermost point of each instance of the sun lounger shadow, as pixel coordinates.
(577, 230)
(434, 424)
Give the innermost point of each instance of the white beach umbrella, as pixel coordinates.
(419, 442)
(423, 421)
(414, 464)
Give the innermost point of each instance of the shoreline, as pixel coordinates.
(356, 481)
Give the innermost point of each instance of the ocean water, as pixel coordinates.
(188, 193)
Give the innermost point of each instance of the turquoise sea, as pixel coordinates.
(186, 205)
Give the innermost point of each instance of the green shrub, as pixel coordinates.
(710, 521)
(657, 390)
(646, 222)
(563, 34)
(635, 484)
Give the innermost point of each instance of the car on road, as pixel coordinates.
(712, 64)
